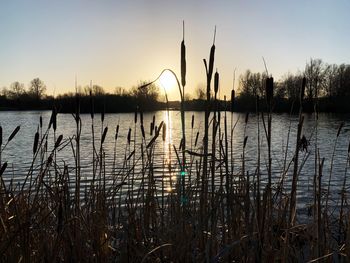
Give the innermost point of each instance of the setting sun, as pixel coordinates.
(167, 81)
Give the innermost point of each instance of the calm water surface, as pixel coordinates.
(19, 155)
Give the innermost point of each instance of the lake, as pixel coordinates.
(19, 153)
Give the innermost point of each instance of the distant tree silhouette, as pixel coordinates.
(16, 90)
(200, 93)
(146, 96)
(315, 73)
(120, 91)
(289, 86)
(250, 84)
(98, 90)
(37, 88)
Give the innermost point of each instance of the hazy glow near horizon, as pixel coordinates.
(120, 43)
(168, 82)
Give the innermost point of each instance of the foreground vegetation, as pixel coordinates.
(197, 210)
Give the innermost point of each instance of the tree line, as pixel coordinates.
(17, 97)
(328, 84)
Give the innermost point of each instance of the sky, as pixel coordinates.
(120, 43)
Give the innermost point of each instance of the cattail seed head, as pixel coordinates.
(245, 142)
(141, 117)
(13, 134)
(91, 106)
(143, 131)
(3, 168)
(0, 136)
(58, 141)
(192, 121)
(164, 132)
(104, 135)
(36, 142)
(41, 121)
(269, 90)
(246, 118)
(53, 119)
(216, 82)
(195, 142)
(129, 136)
(151, 128)
(232, 99)
(211, 61)
(135, 117)
(340, 127)
(116, 132)
(183, 63)
(77, 108)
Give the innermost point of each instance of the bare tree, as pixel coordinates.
(200, 93)
(315, 72)
(37, 88)
(120, 91)
(98, 90)
(16, 90)
(291, 85)
(251, 84)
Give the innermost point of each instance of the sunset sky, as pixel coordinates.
(119, 43)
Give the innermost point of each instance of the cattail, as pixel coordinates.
(0, 136)
(129, 135)
(91, 106)
(183, 59)
(195, 142)
(302, 91)
(151, 128)
(257, 103)
(58, 141)
(3, 168)
(216, 82)
(246, 118)
(232, 99)
(36, 141)
(245, 142)
(340, 127)
(164, 132)
(41, 121)
(77, 108)
(181, 144)
(269, 90)
(116, 132)
(13, 134)
(53, 119)
(349, 149)
(104, 135)
(141, 117)
(156, 133)
(135, 116)
(211, 57)
(192, 122)
(143, 131)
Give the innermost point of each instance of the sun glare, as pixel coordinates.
(167, 80)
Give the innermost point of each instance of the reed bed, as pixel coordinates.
(198, 210)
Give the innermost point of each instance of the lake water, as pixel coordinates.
(19, 154)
